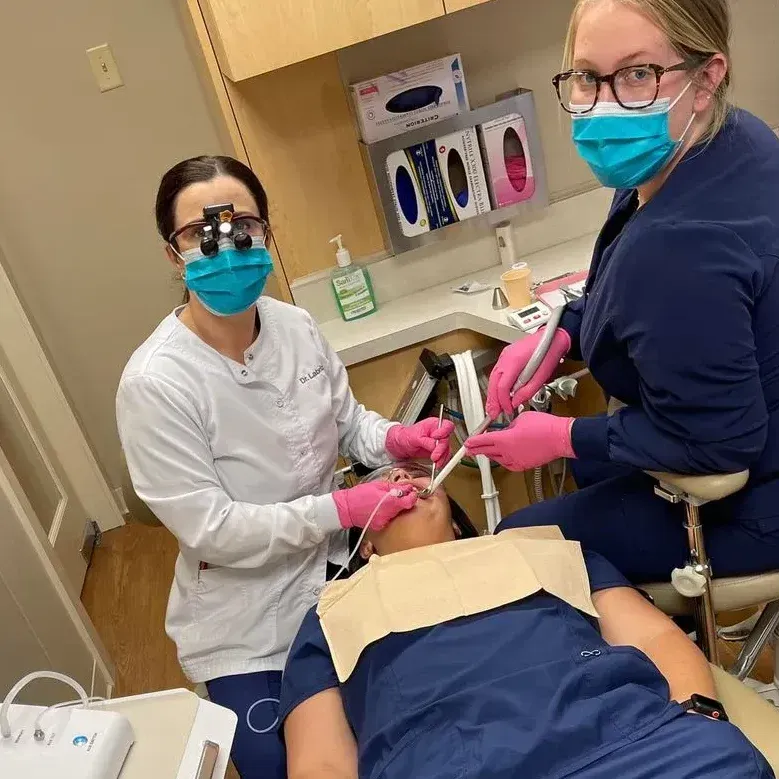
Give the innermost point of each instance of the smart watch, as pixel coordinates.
(708, 707)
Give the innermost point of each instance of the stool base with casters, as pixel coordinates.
(695, 589)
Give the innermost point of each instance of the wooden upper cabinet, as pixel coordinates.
(256, 36)
(459, 5)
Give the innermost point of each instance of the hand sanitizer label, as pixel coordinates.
(353, 294)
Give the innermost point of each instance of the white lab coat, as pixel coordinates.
(238, 462)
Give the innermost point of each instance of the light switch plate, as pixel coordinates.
(104, 68)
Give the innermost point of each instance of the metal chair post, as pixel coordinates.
(694, 586)
(694, 580)
(705, 619)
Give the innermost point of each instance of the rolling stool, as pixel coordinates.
(693, 589)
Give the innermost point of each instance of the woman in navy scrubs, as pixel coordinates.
(680, 320)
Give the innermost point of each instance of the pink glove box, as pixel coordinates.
(508, 160)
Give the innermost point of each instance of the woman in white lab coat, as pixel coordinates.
(232, 415)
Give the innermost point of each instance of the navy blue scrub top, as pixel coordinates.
(681, 317)
(529, 689)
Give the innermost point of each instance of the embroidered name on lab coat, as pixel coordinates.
(311, 374)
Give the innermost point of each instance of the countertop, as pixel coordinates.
(437, 310)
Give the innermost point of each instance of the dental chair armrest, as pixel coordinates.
(757, 719)
(703, 488)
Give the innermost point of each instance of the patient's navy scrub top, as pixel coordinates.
(680, 321)
(525, 690)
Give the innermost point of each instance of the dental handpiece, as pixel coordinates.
(527, 374)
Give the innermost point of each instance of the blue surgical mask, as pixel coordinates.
(626, 148)
(231, 281)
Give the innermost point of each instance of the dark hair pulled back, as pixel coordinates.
(198, 169)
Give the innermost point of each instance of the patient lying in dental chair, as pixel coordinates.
(506, 656)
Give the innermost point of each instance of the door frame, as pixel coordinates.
(39, 385)
(24, 521)
(71, 556)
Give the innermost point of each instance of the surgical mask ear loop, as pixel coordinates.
(680, 142)
(680, 95)
(386, 496)
(692, 118)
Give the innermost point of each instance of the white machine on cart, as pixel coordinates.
(165, 735)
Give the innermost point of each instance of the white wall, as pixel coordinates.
(79, 177)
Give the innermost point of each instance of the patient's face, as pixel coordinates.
(429, 522)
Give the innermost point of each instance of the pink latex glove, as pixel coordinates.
(512, 362)
(424, 439)
(532, 440)
(356, 504)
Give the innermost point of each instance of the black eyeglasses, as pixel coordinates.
(635, 86)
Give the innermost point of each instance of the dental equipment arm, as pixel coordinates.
(320, 743)
(532, 366)
(628, 619)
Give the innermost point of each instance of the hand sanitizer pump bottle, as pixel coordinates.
(351, 285)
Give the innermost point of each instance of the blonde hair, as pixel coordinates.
(697, 29)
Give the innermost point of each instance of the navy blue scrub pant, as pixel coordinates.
(616, 513)
(258, 751)
(258, 747)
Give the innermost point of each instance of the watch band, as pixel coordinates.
(708, 707)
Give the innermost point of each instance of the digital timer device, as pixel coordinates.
(530, 317)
